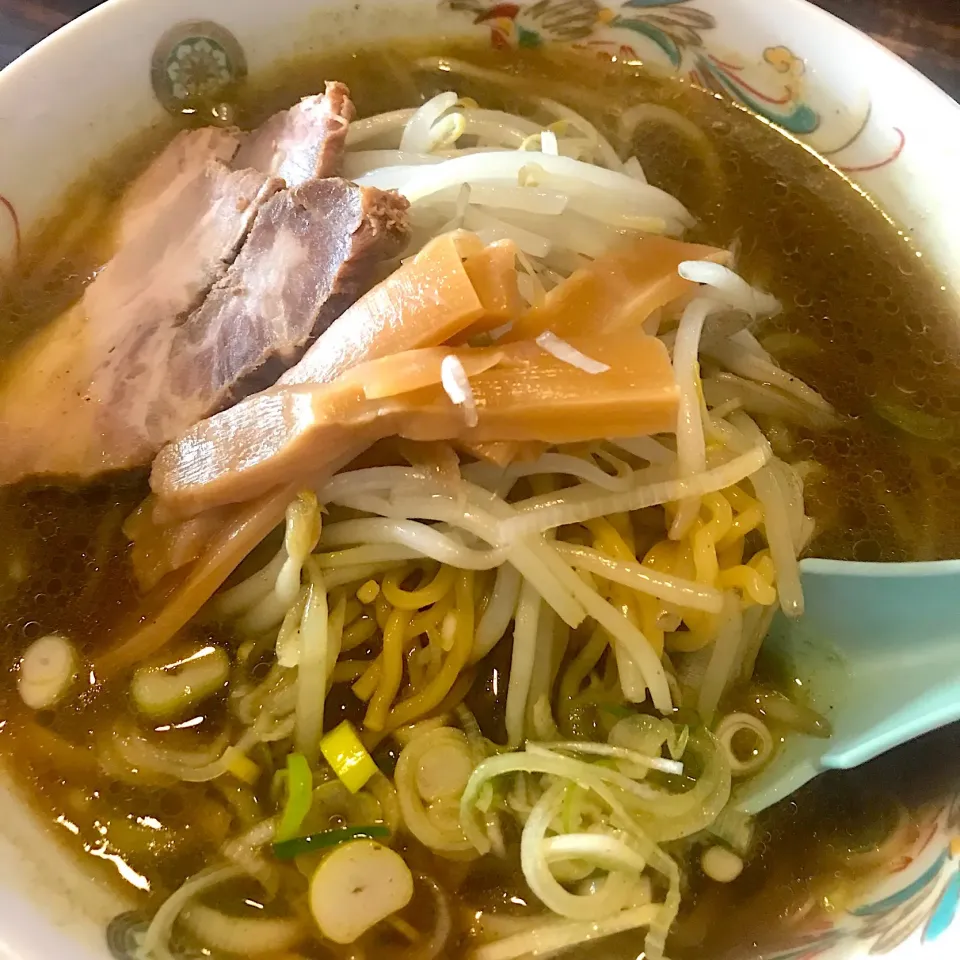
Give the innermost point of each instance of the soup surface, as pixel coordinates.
(864, 322)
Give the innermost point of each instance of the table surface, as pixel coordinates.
(925, 32)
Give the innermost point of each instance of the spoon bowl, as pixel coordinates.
(878, 652)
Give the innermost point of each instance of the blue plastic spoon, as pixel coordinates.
(878, 648)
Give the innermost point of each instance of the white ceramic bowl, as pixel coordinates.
(80, 93)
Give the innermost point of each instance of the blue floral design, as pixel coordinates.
(945, 910)
(801, 118)
(664, 42)
(901, 896)
(674, 27)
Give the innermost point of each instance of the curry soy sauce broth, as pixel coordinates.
(865, 322)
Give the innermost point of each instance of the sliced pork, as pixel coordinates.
(303, 143)
(182, 321)
(312, 251)
(74, 400)
(297, 145)
(158, 343)
(181, 163)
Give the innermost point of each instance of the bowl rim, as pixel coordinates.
(817, 12)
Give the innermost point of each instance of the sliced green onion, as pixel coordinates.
(572, 800)
(918, 423)
(345, 752)
(288, 849)
(299, 796)
(617, 710)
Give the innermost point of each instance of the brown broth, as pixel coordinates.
(880, 331)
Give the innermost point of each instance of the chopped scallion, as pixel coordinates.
(288, 849)
(241, 766)
(617, 710)
(342, 749)
(918, 423)
(299, 796)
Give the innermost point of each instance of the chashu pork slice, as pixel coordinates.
(296, 145)
(174, 170)
(303, 143)
(115, 371)
(172, 328)
(312, 251)
(65, 397)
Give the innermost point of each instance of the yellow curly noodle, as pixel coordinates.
(382, 608)
(427, 628)
(748, 517)
(391, 668)
(424, 596)
(754, 580)
(711, 552)
(435, 595)
(360, 629)
(433, 617)
(436, 691)
(348, 671)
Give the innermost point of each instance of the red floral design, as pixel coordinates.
(677, 30)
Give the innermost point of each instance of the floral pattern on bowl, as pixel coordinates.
(196, 62)
(914, 898)
(676, 34)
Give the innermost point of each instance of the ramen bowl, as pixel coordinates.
(132, 64)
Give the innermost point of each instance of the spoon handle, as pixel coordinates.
(933, 705)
